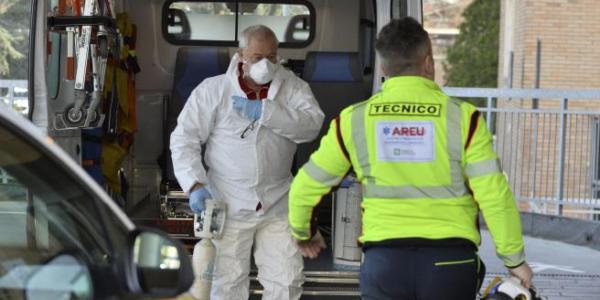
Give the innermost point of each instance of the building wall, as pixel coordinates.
(570, 38)
(569, 35)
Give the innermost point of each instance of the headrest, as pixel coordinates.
(195, 64)
(333, 66)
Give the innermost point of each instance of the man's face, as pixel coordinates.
(257, 49)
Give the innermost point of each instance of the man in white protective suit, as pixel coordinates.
(250, 120)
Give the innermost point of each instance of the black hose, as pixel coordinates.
(31, 59)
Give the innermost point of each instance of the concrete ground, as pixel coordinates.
(562, 271)
(547, 257)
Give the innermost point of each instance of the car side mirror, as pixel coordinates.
(158, 265)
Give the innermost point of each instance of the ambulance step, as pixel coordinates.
(330, 284)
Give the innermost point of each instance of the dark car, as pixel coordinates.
(63, 237)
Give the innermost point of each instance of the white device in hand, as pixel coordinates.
(210, 223)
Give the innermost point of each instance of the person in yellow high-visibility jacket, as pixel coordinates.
(427, 166)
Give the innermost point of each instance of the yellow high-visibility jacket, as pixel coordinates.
(426, 165)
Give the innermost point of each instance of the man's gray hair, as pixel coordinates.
(402, 45)
(257, 31)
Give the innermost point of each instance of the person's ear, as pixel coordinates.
(429, 66)
(240, 53)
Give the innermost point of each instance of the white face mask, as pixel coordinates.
(263, 71)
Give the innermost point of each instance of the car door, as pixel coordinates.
(53, 242)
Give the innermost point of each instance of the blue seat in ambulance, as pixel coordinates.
(192, 66)
(336, 79)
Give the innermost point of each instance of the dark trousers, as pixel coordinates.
(421, 273)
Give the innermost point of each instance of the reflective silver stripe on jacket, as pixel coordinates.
(513, 259)
(482, 168)
(319, 174)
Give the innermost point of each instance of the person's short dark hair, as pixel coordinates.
(402, 45)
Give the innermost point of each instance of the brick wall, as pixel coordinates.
(570, 34)
(569, 31)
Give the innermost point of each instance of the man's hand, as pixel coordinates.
(311, 248)
(197, 198)
(251, 109)
(524, 273)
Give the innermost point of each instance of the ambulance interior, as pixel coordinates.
(170, 47)
(327, 43)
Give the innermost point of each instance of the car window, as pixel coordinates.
(46, 218)
(115, 229)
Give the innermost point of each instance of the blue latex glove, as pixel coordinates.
(251, 109)
(197, 199)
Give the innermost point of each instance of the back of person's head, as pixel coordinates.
(404, 48)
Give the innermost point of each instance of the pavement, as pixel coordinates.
(562, 271)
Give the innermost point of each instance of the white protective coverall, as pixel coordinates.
(247, 171)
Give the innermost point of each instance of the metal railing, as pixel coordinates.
(549, 144)
(548, 141)
(13, 93)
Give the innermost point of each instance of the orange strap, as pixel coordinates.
(90, 162)
(77, 7)
(62, 7)
(70, 68)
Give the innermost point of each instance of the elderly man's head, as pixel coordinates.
(405, 49)
(258, 43)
